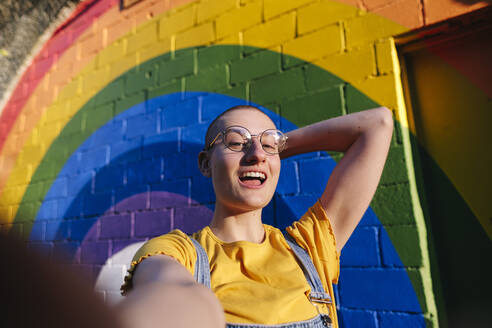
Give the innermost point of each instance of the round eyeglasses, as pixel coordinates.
(238, 138)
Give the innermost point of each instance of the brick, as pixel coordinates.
(180, 66)
(38, 231)
(197, 36)
(180, 165)
(193, 137)
(48, 210)
(377, 289)
(109, 177)
(83, 229)
(208, 9)
(317, 78)
(79, 182)
(162, 144)
(395, 170)
(143, 172)
(407, 245)
(142, 125)
(94, 80)
(177, 21)
(96, 117)
(385, 55)
(145, 35)
(47, 133)
(314, 174)
(129, 101)
(358, 63)
(357, 101)
(215, 55)
(69, 207)
(275, 31)
(278, 87)
(239, 91)
(238, 19)
(315, 45)
(157, 50)
(313, 108)
(94, 252)
(115, 226)
(380, 27)
(291, 208)
(439, 10)
(403, 320)
(409, 13)
(97, 204)
(180, 114)
(257, 65)
(132, 198)
(357, 318)
(323, 13)
(45, 171)
(93, 159)
(26, 212)
(167, 89)
(142, 79)
(393, 204)
(274, 8)
(151, 224)
(212, 105)
(362, 249)
(202, 190)
(289, 179)
(58, 189)
(122, 65)
(89, 45)
(373, 86)
(211, 79)
(65, 252)
(57, 230)
(169, 194)
(192, 219)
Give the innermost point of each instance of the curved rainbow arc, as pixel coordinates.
(17, 176)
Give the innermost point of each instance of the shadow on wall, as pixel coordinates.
(460, 256)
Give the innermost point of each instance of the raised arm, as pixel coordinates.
(165, 294)
(364, 137)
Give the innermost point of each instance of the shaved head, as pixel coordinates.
(217, 125)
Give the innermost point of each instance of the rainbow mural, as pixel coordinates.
(98, 141)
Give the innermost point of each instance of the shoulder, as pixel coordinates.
(314, 233)
(175, 244)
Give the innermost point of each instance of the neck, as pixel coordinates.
(232, 225)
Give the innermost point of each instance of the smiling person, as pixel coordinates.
(245, 273)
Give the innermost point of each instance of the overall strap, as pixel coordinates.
(318, 293)
(202, 266)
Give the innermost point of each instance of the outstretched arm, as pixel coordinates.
(165, 294)
(364, 137)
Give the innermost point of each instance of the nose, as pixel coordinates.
(255, 152)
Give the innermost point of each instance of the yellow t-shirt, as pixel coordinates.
(259, 283)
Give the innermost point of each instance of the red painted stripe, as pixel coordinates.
(58, 43)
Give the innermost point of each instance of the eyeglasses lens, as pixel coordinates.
(237, 139)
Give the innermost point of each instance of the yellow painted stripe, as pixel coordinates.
(149, 46)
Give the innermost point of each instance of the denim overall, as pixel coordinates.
(318, 295)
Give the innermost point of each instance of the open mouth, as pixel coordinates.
(252, 178)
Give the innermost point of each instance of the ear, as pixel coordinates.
(204, 163)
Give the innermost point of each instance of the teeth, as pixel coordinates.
(253, 175)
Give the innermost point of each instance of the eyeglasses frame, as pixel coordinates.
(250, 139)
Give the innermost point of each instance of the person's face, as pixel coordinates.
(235, 174)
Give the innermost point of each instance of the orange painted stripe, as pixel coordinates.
(109, 27)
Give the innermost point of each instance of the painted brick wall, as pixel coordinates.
(100, 136)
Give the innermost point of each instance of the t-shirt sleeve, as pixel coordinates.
(314, 233)
(175, 244)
